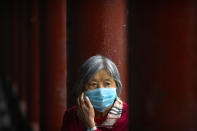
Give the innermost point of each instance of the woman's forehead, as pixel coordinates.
(101, 75)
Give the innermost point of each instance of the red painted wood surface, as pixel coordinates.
(165, 71)
(97, 27)
(33, 81)
(52, 63)
(22, 46)
(14, 49)
(14, 44)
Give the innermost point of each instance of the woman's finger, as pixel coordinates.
(88, 102)
(83, 104)
(78, 102)
(82, 98)
(78, 108)
(79, 105)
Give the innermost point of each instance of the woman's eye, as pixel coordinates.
(93, 84)
(107, 84)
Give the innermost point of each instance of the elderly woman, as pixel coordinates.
(98, 107)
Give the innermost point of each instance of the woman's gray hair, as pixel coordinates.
(92, 66)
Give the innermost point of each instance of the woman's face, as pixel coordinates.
(101, 79)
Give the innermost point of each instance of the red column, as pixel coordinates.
(14, 45)
(5, 52)
(97, 27)
(53, 64)
(22, 45)
(14, 60)
(33, 83)
(164, 69)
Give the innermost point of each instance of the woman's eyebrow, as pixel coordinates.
(93, 80)
(108, 79)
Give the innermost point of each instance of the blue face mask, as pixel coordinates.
(101, 98)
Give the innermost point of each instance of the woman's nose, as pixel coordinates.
(100, 85)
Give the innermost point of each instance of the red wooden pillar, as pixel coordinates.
(5, 52)
(97, 27)
(164, 72)
(14, 45)
(15, 59)
(22, 45)
(52, 63)
(33, 71)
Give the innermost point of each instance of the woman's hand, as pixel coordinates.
(85, 111)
